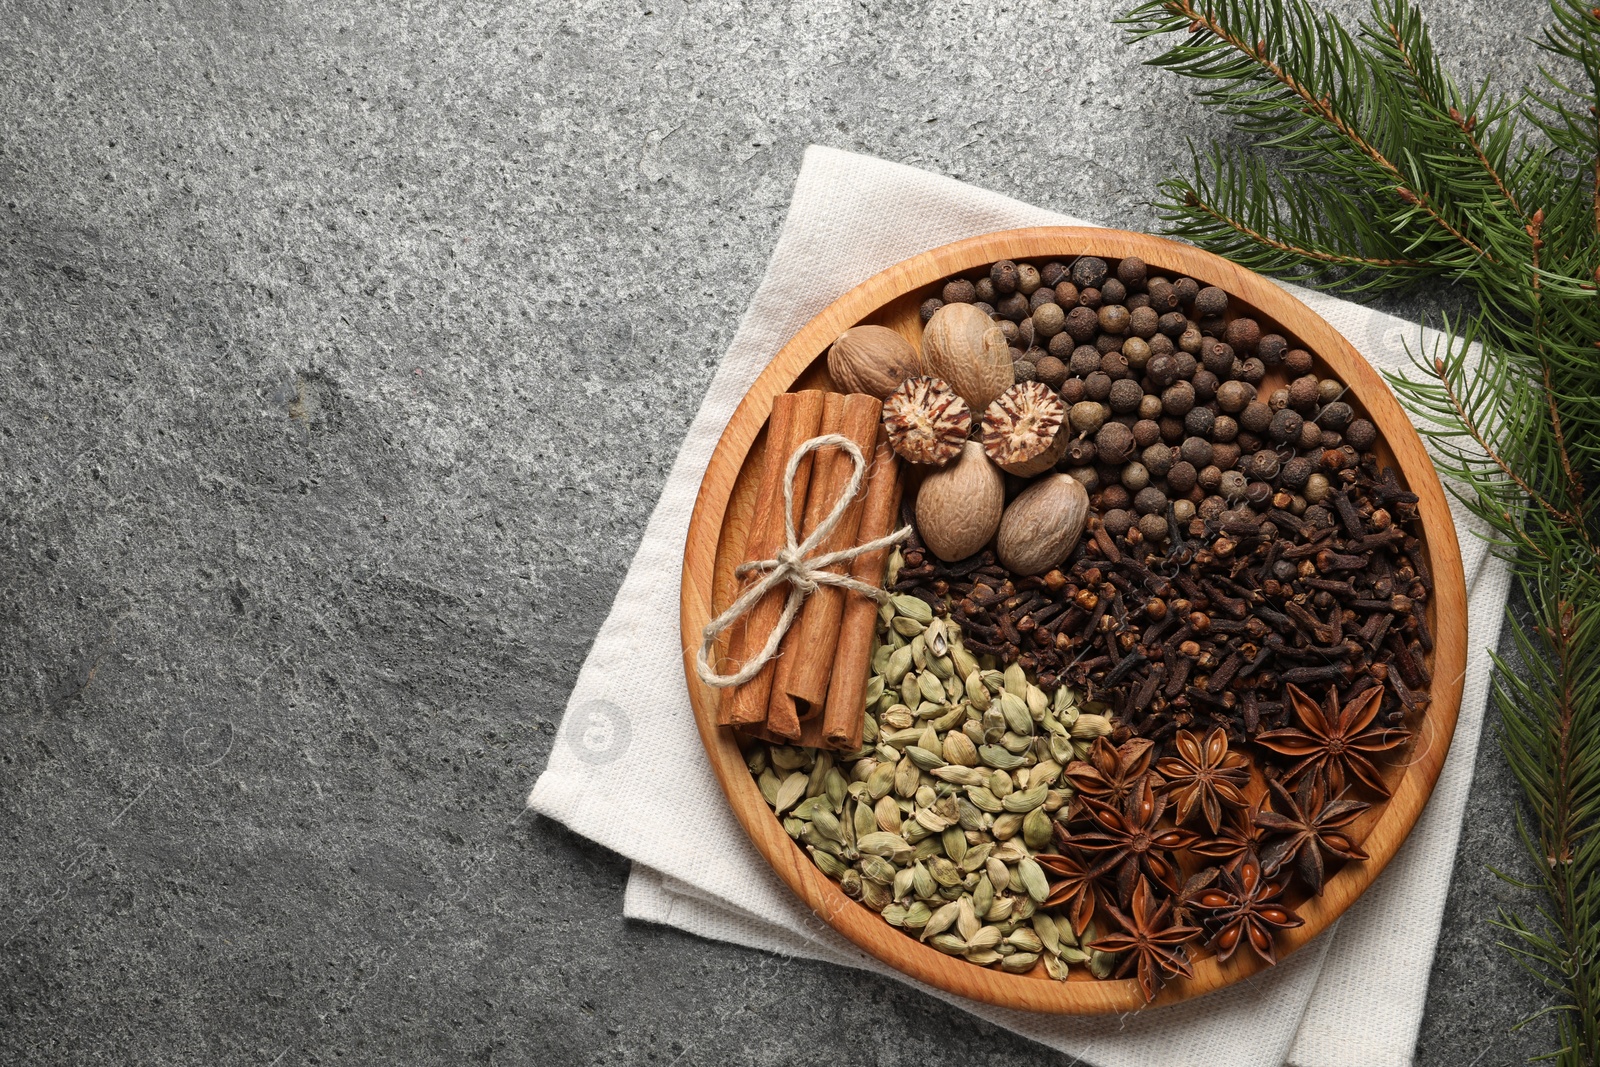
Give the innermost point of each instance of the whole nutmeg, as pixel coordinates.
(1042, 525)
(1023, 430)
(872, 360)
(959, 506)
(961, 345)
(926, 421)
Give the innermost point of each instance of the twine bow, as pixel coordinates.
(795, 564)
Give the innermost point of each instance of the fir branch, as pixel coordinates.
(1389, 174)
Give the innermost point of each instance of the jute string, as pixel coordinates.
(795, 564)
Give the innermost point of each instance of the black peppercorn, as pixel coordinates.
(1003, 276)
(929, 306)
(1088, 271)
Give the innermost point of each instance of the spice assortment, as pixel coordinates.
(1156, 630)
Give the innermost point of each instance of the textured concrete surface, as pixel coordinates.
(345, 348)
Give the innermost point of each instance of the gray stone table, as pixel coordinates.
(344, 349)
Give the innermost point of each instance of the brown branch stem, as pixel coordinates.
(1193, 201)
(1574, 482)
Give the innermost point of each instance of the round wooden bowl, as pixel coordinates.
(718, 529)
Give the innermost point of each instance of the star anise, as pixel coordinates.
(1246, 909)
(1130, 841)
(1204, 777)
(1152, 942)
(1334, 740)
(1310, 826)
(1111, 773)
(1187, 899)
(1240, 837)
(1071, 882)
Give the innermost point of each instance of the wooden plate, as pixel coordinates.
(718, 529)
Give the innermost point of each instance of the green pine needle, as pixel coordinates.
(1372, 170)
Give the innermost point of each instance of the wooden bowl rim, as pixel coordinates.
(1448, 606)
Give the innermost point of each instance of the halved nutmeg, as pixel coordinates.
(1024, 431)
(926, 421)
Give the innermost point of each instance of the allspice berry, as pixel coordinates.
(1086, 417)
(1114, 319)
(1052, 273)
(1072, 390)
(1217, 358)
(1113, 291)
(1097, 386)
(1115, 497)
(1135, 477)
(1209, 478)
(1157, 458)
(1196, 451)
(1013, 307)
(1125, 396)
(1084, 361)
(1182, 476)
(1131, 271)
(1090, 298)
(1150, 407)
(1082, 323)
(1143, 322)
(929, 306)
(1028, 279)
(1316, 490)
(1162, 371)
(1255, 417)
(1303, 393)
(1205, 386)
(1361, 435)
(1146, 433)
(1297, 361)
(1066, 294)
(1088, 271)
(1244, 334)
(1232, 485)
(1263, 466)
(1004, 277)
(1177, 399)
(1271, 348)
(1150, 501)
(1136, 352)
(1295, 472)
(1233, 396)
(1041, 296)
(959, 291)
(1116, 521)
(1310, 435)
(1210, 302)
(1285, 426)
(1153, 527)
(1051, 371)
(1114, 442)
(1172, 323)
(1200, 421)
(1048, 320)
(1225, 455)
(1162, 296)
(1186, 289)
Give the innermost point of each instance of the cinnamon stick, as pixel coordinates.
(783, 717)
(818, 621)
(844, 713)
(795, 419)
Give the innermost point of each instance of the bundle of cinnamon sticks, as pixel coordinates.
(812, 693)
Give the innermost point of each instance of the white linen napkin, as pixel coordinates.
(1353, 997)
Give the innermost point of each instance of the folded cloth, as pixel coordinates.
(1353, 997)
